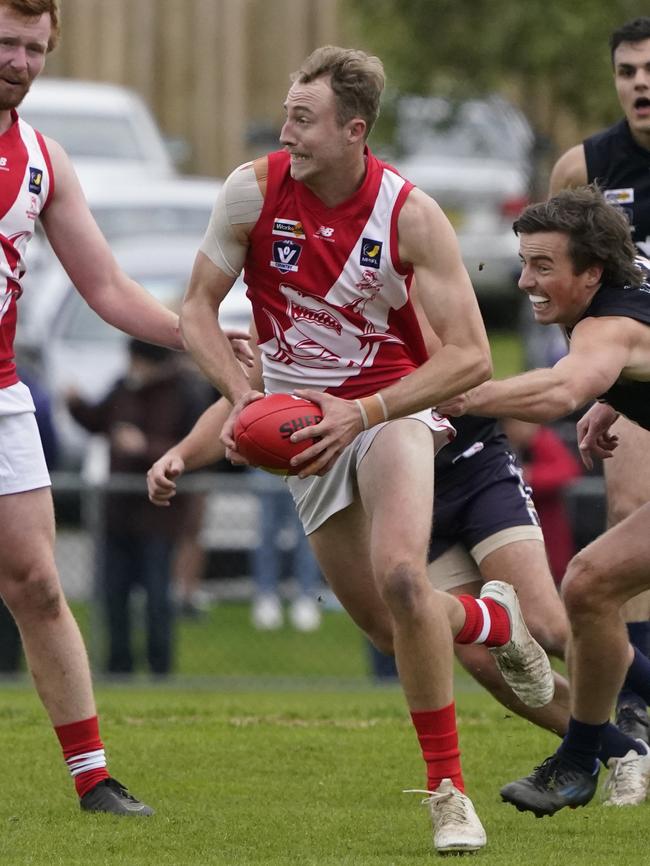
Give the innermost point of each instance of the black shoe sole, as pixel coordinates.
(540, 812)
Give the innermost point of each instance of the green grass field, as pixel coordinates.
(299, 777)
(292, 771)
(246, 766)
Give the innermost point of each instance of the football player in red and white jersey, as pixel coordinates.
(38, 181)
(330, 238)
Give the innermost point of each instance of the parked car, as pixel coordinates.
(176, 205)
(103, 127)
(71, 346)
(475, 159)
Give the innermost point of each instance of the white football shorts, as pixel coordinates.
(22, 462)
(318, 497)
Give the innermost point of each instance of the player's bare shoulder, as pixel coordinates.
(569, 171)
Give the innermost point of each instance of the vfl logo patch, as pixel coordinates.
(288, 228)
(285, 256)
(619, 196)
(35, 179)
(370, 253)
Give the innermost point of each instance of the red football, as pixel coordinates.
(263, 430)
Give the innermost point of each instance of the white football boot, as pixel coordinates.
(523, 663)
(456, 826)
(628, 778)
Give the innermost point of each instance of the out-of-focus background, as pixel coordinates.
(156, 101)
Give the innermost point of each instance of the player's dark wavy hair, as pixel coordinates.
(357, 80)
(34, 8)
(635, 30)
(598, 232)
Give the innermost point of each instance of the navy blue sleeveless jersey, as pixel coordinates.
(622, 169)
(630, 397)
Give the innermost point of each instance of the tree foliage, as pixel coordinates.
(551, 55)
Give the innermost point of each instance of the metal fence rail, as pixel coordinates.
(221, 643)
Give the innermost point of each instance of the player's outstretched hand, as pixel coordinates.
(161, 479)
(227, 435)
(454, 406)
(240, 344)
(594, 438)
(341, 423)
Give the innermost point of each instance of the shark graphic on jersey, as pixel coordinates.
(323, 335)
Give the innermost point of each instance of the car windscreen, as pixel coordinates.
(88, 135)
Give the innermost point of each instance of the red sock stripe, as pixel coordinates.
(79, 738)
(438, 737)
(473, 620)
(474, 627)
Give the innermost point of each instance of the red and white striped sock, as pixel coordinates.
(436, 730)
(486, 622)
(83, 752)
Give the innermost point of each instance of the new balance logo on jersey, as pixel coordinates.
(35, 179)
(370, 253)
(3, 163)
(285, 256)
(324, 233)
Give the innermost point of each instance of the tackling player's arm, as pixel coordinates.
(600, 350)
(569, 171)
(203, 446)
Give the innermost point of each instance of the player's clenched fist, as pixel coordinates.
(161, 478)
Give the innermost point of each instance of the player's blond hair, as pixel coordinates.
(34, 8)
(356, 78)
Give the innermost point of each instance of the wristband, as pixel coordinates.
(373, 410)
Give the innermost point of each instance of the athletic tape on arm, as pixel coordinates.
(239, 201)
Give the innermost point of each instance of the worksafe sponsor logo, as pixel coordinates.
(288, 228)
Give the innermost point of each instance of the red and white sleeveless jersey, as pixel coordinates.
(330, 297)
(26, 185)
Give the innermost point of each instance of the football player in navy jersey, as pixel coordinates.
(580, 269)
(618, 158)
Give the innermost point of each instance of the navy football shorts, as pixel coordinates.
(479, 497)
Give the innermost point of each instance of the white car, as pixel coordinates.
(176, 205)
(102, 127)
(474, 159)
(72, 347)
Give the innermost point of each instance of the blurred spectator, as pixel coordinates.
(277, 515)
(144, 413)
(549, 466)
